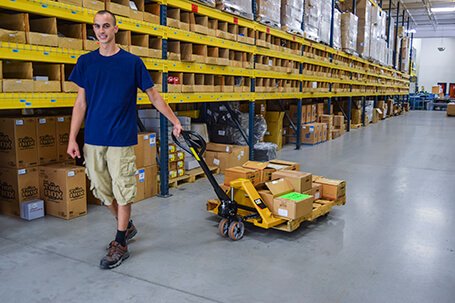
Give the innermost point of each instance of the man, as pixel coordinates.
(107, 81)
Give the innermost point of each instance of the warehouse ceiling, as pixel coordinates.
(424, 19)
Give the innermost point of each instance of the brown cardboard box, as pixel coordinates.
(284, 207)
(118, 7)
(451, 109)
(93, 4)
(293, 209)
(338, 121)
(267, 197)
(72, 35)
(293, 113)
(47, 142)
(326, 119)
(151, 181)
(223, 148)
(356, 116)
(139, 151)
(282, 164)
(237, 156)
(300, 181)
(436, 89)
(336, 133)
(63, 125)
(52, 72)
(140, 185)
(234, 173)
(261, 167)
(43, 31)
(13, 28)
(315, 191)
(17, 76)
(332, 189)
(62, 187)
(18, 143)
(149, 149)
(17, 185)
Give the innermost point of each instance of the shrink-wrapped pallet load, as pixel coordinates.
(268, 12)
(349, 32)
(243, 8)
(312, 19)
(292, 16)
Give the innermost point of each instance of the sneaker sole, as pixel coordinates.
(106, 266)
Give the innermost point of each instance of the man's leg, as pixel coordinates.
(124, 213)
(113, 208)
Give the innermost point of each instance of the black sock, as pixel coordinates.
(120, 237)
(130, 223)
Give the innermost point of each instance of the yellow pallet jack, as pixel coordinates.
(244, 204)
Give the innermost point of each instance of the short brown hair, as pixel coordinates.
(104, 12)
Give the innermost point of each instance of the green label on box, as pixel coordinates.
(295, 196)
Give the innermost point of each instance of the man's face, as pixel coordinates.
(104, 28)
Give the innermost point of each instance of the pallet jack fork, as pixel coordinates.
(251, 207)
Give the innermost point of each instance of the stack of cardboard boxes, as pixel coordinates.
(339, 128)
(35, 166)
(287, 192)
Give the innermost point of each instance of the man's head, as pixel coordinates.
(105, 26)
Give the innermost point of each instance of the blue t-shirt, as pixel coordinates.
(110, 85)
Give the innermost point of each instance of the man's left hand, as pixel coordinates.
(177, 129)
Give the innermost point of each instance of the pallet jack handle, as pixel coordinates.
(196, 146)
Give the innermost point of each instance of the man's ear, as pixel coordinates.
(116, 28)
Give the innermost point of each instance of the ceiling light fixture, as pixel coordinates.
(443, 9)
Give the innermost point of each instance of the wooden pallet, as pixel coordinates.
(356, 125)
(175, 182)
(198, 173)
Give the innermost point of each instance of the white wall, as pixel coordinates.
(434, 66)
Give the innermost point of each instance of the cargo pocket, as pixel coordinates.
(125, 184)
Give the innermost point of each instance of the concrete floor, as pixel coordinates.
(392, 242)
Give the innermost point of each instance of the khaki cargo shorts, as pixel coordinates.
(111, 170)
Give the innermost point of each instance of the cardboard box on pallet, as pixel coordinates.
(315, 191)
(18, 142)
(338, 121)
(284, 202)
(47, 142)
(140, 185)
(300, 181)
(263, 169)
(283, 165)
(234, 173)
(332, 189)
(16, 186)
(451, 109)
(62, 187)
(151, 181)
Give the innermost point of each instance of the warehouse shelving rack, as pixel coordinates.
(374, 76)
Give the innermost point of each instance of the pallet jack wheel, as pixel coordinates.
(223, 227)
(236, 230)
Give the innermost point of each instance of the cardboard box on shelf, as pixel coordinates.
(47, 142)
(315, 191)
(18, 142)
(332, 189)
(17, 76)
(93, 4)
(63, 188)
(233, 173)
(43, 31)
(300, 181)
(13, 28)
